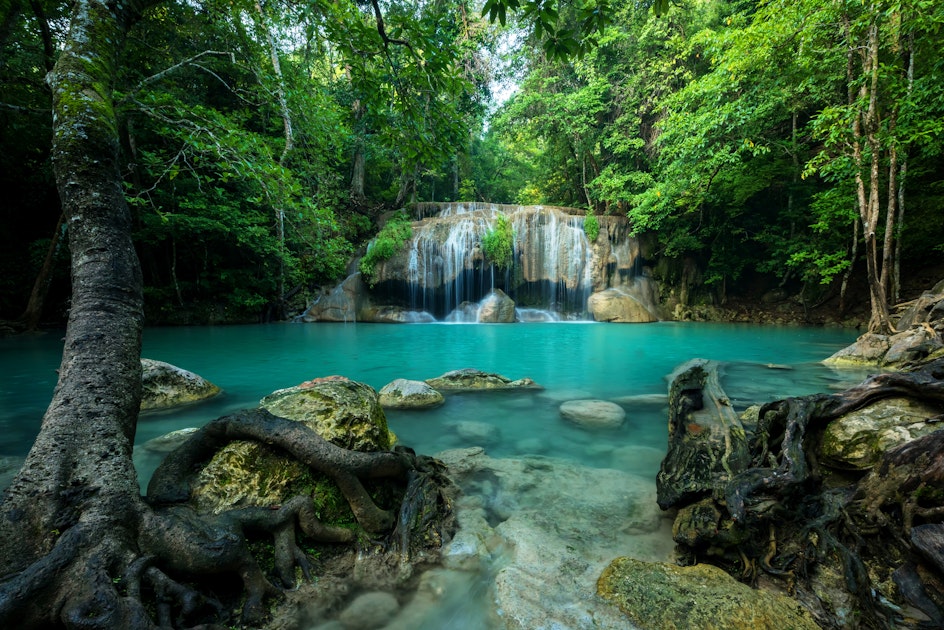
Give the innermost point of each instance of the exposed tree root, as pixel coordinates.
(799, 531)
(144, 568)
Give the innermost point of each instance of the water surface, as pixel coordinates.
(627, 364)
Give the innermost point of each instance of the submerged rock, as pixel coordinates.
(406, 394)
(169, 441)
(164, 386)
(478, 433)
(670, 597)
(470, 379)
(369, 611)
(552, 526)
(593, 414)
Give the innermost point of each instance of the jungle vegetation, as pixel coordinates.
(260, 142)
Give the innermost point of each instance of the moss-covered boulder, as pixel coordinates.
(342, 411)
(164, 386)
(470, 379)
(405, 394)
(858, 440)
(670, 597)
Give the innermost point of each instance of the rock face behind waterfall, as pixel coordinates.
(444, 272)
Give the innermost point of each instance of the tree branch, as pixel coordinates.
(163, 73)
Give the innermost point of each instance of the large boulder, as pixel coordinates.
(164, 386)
(920, 337)
(497, 308)
(858, 439)
(617, 305)
(406, 394)
(340, 305)
(470, 379)
(342, 411)
(593, 414)
(670, 597)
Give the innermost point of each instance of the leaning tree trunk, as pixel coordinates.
(78, 480)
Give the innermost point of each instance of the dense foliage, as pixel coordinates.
(757, 139)
(761, 143)
(260, 141)
(391, 238)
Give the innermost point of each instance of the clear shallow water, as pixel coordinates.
(624, 363)
(571, 360)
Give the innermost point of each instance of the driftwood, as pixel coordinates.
(785, 515)
(707, 443)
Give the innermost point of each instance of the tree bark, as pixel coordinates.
(78, 477)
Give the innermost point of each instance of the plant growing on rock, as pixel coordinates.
(591, 227)
(391, 238)
(498, 244)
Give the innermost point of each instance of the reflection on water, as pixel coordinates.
(626, 364)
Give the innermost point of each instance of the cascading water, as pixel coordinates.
(443, 271)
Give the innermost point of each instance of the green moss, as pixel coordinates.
(390, 240)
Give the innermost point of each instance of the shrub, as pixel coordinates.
(591, 227)
(395, 233)
(499, 243)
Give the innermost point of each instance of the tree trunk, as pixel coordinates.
(865, 130)
(78, 480)
(359, 173)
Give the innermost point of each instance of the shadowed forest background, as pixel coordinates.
(261, 142)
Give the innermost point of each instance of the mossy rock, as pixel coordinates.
(342, 411)
(670, 597)
(164, 386)
(470, 379)
(857, 440)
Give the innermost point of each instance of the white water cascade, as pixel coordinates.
(556, 273)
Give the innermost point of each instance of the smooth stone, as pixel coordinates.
(369, 611)
(618, 306)
(593, 414)
(496, 308)
(406, 394)
(169, 441)
(165, 386)
(478, 433)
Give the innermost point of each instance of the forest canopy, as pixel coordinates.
(261, 141)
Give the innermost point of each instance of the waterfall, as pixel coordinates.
(443, 271)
